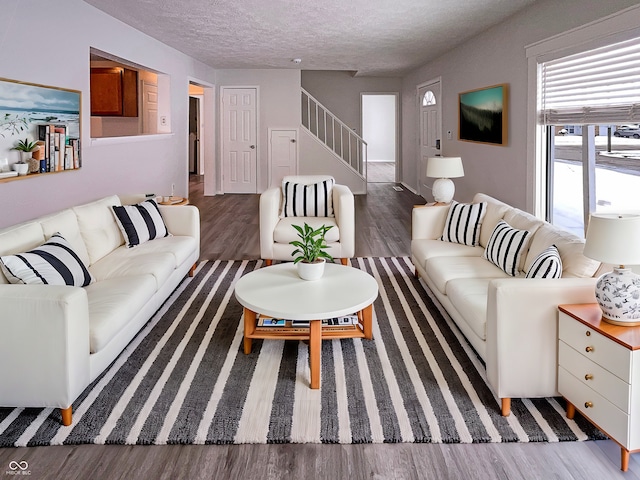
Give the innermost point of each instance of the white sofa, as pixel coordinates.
(56, 340)
(277, 232)
(511, 322)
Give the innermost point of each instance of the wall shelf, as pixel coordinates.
(35, 175)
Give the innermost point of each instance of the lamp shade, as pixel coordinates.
(614, 238)
(444, 167)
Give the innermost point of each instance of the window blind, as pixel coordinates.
(594, 87)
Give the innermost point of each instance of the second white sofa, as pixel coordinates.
(510, 321)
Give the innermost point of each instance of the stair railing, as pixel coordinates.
(343, 141)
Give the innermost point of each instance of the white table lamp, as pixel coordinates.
(444, 169)
(615, 239)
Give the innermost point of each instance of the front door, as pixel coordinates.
(430, 131)
(239, 146)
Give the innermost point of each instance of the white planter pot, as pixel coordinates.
(311, 271)
(21, 168)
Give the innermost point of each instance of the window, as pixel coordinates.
(589, 107)
(428, 99)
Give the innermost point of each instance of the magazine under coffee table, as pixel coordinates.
(277, 291)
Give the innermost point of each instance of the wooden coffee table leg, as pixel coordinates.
(249, 328)
(367, 318)
(315, 346)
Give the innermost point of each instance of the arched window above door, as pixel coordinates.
(429, 98)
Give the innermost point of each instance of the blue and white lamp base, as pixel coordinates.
(618, 294)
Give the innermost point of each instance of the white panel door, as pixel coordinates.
(430, 131)
(149, 107)
(283, 155)
(239, 133)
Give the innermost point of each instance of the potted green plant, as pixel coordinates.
(26, 149)
(310, 254)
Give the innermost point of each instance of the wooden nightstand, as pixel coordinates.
(599, 374)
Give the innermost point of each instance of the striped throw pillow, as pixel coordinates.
(52, 263)
(546, 265)
(140, 223)
(506, 246)
(463, 223)
(313, 200)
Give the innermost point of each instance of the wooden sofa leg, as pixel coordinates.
(66, 416)
(415, 272)
(268, 262)
(193, 269)
(344, 261)
(506, 407)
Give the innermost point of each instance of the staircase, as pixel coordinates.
(345, 144)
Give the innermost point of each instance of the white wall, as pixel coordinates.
(61, 59)
(493, 57)
(319, 160)
(340, 92)
(379, 127)
(278, 105)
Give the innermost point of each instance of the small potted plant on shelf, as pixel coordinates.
(26, 149)
(310, 254)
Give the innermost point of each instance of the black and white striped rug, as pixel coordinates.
(184, 379)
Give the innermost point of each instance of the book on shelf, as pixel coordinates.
(75, 145)
(345, 321)
(329, 322)
(68, 157)
(61, 151)
(271, 322)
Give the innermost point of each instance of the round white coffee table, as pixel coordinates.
(277, 291)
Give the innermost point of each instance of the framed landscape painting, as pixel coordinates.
(24, 106)
(482, 115)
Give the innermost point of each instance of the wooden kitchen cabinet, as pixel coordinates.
(114, 92)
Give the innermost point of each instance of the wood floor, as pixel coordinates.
(230, 231)
(229, 223)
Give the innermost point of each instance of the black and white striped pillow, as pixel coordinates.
(546, 265)
(52, 263)
(314, 200)
(140, 223)
(463, 223)
(506, 246)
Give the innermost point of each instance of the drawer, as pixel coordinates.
(603, 351)
(602, 381)
(613, 421)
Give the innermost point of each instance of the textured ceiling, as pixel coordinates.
(369, 37)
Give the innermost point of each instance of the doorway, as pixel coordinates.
(430, 128)
(380, 131)
(194, 136)
(201, 167)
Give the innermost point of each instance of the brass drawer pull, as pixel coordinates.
(588, 404)
(588, 376)
(588, 333)
(589, 349)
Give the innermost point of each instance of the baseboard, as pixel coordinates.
(412, 190)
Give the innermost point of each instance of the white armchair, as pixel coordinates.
(276, 231)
